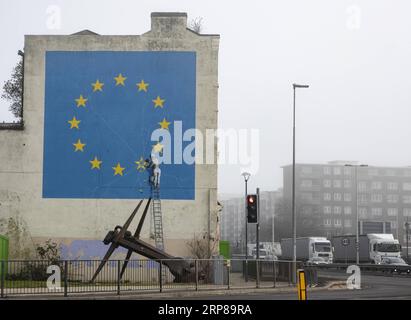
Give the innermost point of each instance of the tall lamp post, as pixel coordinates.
(357, 231)
(294, 222)
(407, 226)
(246, 177)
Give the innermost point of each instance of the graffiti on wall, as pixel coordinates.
(101, 109)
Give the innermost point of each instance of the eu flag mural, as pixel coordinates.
(101, 109)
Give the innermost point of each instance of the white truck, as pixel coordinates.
(266, 251)
(373, 247)
(314, 250)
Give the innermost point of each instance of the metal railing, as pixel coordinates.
(73, 277)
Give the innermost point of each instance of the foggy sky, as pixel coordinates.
(355, 55)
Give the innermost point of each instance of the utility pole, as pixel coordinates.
(294, 221)
(407, 227)
(257, 226)
(357, 223)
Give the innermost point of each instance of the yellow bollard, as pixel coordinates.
(301, 285)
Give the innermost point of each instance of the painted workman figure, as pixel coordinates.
(155, 171)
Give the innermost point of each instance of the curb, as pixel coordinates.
(180, 294)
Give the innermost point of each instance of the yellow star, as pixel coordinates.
(97, 86)
(142, 86)
(164, 124)
(79, 146)
(141, 164)
(95, 163)
(158, 102)
(118, 169)
(81, 102)
(120, 80)
(74, 123)
(158, 147)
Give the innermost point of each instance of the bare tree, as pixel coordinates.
(200, 247)
(196, 24)
(13, 90)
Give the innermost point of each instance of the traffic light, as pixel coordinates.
(252, 216)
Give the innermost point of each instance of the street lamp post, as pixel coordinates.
(407, 226)
(294, 222)
(357, 232)
(246, 177)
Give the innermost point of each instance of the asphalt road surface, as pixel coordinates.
(373, 287)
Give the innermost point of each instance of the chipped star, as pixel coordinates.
(158, 147)
(141, 164)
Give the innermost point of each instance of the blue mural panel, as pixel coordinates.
(100, 111)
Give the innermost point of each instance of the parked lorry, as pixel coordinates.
(315, 250)
(373, 248)
(266, 251)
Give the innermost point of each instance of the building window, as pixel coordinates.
(392, 211)
(373, 172)
(337, 222)
(376, 197)
(376, 185)
(306, 183)
(337, 171)
(406, 186)
(406, 199)
(306, 196)
(362, 186)
(337, 183)
(347, 210)
(362, 198)
(347, 171)
(307, 170)
(327, 222)
(327, 210)
(407, 173)
(392, 198)
(347, 183)
(392, 186)
(394, 225)
(327, 196)
(376, 211)
(307, 211)
(337, 210)
(327, 170)
(390, 172)
(347, 224)
(327, 183)
(362, 213)
(337, 196)
(347, 196)
(407, 212)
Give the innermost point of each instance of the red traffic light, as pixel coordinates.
(252, 199)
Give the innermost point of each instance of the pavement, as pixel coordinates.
(372, 287)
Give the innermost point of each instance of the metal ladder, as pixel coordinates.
(157, 218)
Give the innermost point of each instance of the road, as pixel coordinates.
(373, 287)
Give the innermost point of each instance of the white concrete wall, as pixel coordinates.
(26, 217)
